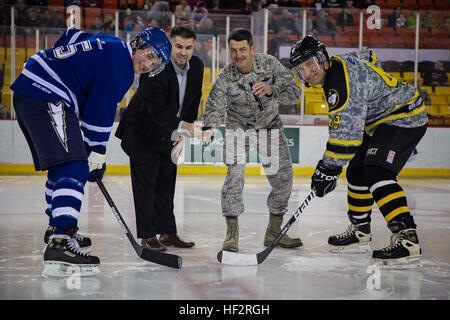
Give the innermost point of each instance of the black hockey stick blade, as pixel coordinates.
(165, 259)
(243, 259)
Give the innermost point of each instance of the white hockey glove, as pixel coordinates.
(97, 166)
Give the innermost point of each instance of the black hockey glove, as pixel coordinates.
(324, 179)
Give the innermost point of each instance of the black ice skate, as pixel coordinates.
(63, 258)
(403, 253)
(83, 241)
(354, 240)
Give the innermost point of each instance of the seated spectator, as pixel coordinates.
(411, 21)
(56, 20)
(129, 4)
(345, 18)
(92, 3)
(349, 4)
(446, 24)
(209, 27)
(286, 21)
(436, 77)
(199, 13)
(273, 26)
(97, 26)
(318, 5)
(298, 23)
(400, 22)
(322, 26)
(428, 21)
(192, 25)
(282, 39)
(109, 25)
(193, 3)
(199, 51)
(392, 19)
(332, 4)
(147, 5)
(183, 12)
(33, 20)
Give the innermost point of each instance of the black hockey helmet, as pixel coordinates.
(305, 49)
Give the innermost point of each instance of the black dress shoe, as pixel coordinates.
(172, 239)
(153, 244)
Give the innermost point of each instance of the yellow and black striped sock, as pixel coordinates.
(391, 200)
(360, 202)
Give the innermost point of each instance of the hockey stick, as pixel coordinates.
(242, 259)
(165, 259)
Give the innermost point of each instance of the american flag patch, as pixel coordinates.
(390, 157)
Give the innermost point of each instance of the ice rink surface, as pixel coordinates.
(309, 272)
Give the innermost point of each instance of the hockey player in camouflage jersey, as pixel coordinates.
(249, 91)
(375, 122)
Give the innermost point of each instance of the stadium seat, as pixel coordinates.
(442, 90)
(410, 4)
(391, 4)
(316, 107)
(434, 42)
(434, 110)
(426, 4)
(438, 99)
(344, 41)
(441, 5)
(379, 42)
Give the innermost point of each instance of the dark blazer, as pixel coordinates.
(151, 116)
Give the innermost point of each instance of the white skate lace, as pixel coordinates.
(79, 237)
(71, 242)
(395, 242)
(346, 233)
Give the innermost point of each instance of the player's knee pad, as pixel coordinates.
(374, 174)
(355, 176)
(77, 170)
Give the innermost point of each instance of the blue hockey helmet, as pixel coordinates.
(156, 39)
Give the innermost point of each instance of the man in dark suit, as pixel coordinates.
(161, 105)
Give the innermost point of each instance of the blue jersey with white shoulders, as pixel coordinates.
(90, 73)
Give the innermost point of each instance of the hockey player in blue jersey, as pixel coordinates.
(82, 78)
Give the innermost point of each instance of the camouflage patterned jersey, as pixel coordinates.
(361, 96)
(231, 93)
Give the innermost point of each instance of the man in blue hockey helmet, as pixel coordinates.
(83, 77)
(151, 51)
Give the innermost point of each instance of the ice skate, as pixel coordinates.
(62, 258)
(404, 252)
(354, 240)
(83, 241)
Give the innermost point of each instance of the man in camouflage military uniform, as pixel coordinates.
(375, 122)
(249, 90)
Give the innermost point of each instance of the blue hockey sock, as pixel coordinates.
(67, 196)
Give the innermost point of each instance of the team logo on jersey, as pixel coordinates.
(371, 151)
(333, 98)
(58, 119)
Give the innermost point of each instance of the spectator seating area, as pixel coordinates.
(315, 103)
(385, 37)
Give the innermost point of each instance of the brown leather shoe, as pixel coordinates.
(173, 239)
(153, 244)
